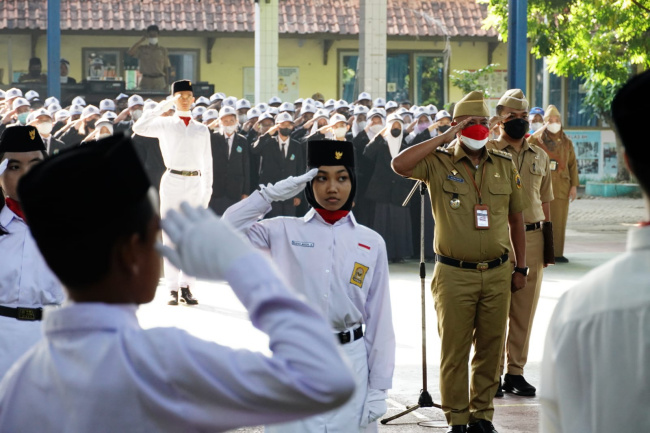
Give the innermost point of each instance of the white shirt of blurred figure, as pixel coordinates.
(596, 365)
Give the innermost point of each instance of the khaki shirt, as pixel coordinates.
(445, 174)
(154, 60)
(533, 166)
(562, 156)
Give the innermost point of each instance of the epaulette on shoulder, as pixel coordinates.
(501, 153)
(443, 150)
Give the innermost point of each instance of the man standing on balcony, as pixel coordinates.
(154, 61)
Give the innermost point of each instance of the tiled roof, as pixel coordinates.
(419, 18)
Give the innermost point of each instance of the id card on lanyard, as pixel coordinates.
(481, 211)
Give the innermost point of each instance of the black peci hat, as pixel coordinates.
(21, 139)
(181, 86)
(330, 152)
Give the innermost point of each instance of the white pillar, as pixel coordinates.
(546, 86)
(266, 50)
(372, 48)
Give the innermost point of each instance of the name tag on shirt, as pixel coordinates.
(455, 179)
(302, 244)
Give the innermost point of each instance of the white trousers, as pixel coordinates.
(16, 338)
(175, 189)
(351, 414)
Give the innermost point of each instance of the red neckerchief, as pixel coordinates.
(332, 216)
(644, 223)
(15, 207)
(185, 119)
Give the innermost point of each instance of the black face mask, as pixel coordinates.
(516, 128)
(395, 132)
(286, 132)
(90, 124)
(444, 128)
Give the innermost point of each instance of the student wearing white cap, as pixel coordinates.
(387, 190)
(231, 163)
(208, 117)
(202, 101)
(242, 106)
(106, 105)
(391, 107)
(421, 122)
(185, 147)
(336, 129)
(307, 112)
(359, 121)
(18, 114)
(60, 119)
(379, 103)
(297, 104)
(197, 113)
(275, 101)
(10, 96)
(128, 116)
(80, 129)
(78, 100)
(364, 98)
(121, 102)
(281, 157)
(103, 129)
(318, 121)
(252, 115)
(41, 119)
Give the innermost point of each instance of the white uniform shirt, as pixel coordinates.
(596, 365)
(25, 278)
(321, 261)
(98, 371)
(182, 147)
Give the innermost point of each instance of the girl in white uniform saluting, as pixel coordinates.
(26, 282)
(341, 267)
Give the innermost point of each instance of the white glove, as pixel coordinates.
(3, 166)
(376, 402)
(287, 188)
(205, 246)
(166, 105)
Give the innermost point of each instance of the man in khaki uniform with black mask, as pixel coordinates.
(533, 166)
(477, 201)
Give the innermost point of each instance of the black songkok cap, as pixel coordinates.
(83, 191)
(181, 86)
(21, 139)
(34, 61)
(329, 152)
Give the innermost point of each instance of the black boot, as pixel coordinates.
(457, 429)
(499, 392)
(482, 426)
(186, 297)
(173, 299)
(516, 384)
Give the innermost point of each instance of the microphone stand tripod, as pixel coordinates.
(425, 399)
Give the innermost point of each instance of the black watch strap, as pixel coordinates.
(523, 271)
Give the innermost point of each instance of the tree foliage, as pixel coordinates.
(468, 81)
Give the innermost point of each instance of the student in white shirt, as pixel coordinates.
(341, 268)
(26, 283)
(97, 370)
(185, 147)
(596, 364)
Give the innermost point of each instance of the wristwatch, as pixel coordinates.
(523, 271)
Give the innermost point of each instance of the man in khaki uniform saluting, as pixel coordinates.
(476, 196)
(154, 61)
(533, 166)
(564, 172)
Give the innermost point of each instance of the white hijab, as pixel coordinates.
(394, 143)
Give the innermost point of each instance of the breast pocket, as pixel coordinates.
(458, 191)
(500, 197)
(536, 175)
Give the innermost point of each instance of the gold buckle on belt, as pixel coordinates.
(483, 266)
(26, 314)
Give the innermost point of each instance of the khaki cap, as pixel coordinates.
(515, 99)
(551, 110)
(472, 104)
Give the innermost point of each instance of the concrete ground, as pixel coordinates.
(596, 233)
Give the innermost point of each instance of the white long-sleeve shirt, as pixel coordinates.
(182, 147)
(98, 371)
(596, 364)
(342, 270)
(25, 278)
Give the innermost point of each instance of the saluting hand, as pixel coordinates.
(287, 188)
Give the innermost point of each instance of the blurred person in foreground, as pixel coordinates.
(595, 375)
(118, 377)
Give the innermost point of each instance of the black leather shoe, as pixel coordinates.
(186, 297)
(457, 429)
(482, 426)
(561, 259)
(173, 298)
(499, 392)
(516, 384)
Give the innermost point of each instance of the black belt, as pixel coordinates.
(28, 314)
(185, 172)
(347, 336)
(483, 266)
(153, 76)
(534, 226)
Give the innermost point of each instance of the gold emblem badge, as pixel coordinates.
(32, 134)
(454, 172)
(517, 178)
(358, 274)
(454, 203)
(497, 175)
(190, 83)
(338, 155)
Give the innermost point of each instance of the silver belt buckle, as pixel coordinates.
(483, 266)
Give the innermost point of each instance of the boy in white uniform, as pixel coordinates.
(98, 371)
(341, 268)
(185, 147)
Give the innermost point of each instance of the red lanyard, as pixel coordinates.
(478, 190)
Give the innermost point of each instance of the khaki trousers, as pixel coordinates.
(472, 307)
(559, 216)
(523, 304)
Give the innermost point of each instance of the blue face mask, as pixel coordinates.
(22, 118)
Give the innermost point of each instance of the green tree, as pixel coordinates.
(468, 81)
(602, 41)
